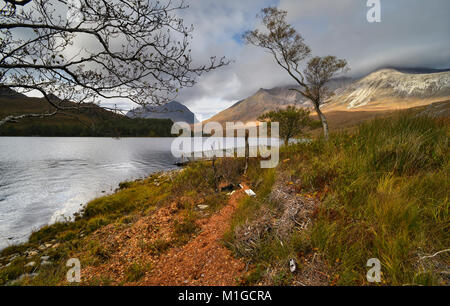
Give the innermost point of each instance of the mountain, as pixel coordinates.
(92, 121)
(174, 111)
(265, 100)
(393, 88)
(6, 92)
(384, 89)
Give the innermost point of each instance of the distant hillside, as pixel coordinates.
(174, 111)
(393, 89)
(265, 100)
(93, 121)
(385, 89)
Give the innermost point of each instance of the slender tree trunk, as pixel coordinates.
(323, 119)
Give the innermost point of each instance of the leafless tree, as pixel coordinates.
(86, 51)
(289, 50)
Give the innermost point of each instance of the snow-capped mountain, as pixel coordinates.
(391, 87)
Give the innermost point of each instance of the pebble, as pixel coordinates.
(202, 207)
(14, 256)
(32, 253)
(46, 263)
(30, 264)
(45, 258)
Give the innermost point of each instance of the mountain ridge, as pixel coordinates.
(173, 110)
(382, 89)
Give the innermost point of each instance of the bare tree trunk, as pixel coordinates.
(323, 119)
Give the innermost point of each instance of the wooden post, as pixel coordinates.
(247, 151)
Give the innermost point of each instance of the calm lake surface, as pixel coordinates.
(43, 179)
(48, 179)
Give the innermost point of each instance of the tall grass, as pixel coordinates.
(384, 192)
(388, 196)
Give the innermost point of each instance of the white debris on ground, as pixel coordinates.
(292, 265)
(250, 193)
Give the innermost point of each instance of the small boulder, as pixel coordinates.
(46, 263)
(30, 264)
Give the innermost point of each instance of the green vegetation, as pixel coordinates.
(132, 200)
(292, 121)
(72, 237)
(136, 271)
(383, 192)
(90, 122)
(63, 127)
(388, 196)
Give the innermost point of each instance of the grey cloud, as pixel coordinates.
(412, 33)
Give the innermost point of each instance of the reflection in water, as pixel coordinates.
(43, 179)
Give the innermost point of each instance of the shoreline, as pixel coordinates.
(69, 218)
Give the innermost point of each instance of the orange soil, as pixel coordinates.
(203, 261)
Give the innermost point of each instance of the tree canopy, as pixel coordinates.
(292, 121)
(290, 51)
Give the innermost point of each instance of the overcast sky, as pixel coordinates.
(412, 33)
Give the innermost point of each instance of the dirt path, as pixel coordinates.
(203, 260)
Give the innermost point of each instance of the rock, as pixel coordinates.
(47, 245)
(42, 247)
(46, 263)
(32, 253)
(292, 265)
(202, 207)
(30, 264)
(13, 256)
(45, 258)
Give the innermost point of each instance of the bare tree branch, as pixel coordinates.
(289, 51)
(135, 50)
